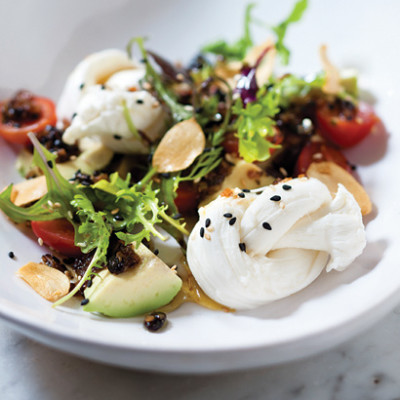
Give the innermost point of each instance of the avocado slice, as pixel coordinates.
(349, 81)
(91, 159)
(145, 287)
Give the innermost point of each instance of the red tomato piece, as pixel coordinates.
(187, 198)
(317, 152)
(58, 234)
(346, 129)
(15, 132)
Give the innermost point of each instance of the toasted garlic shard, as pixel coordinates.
(332, 76)
(50, 283)
(331, 175)
(179, 147)
(28, 191)
(243, 175)
(267, 64)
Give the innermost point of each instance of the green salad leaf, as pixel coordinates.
(292, 87)
(255, 124)
(179, 111)
(40, 211)
(92, 210)
(92, 233)
(131, 126)
(203, 165)
(280, 29)
(60, 192)
(237, 50)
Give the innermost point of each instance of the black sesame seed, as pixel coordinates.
(89, 283)
(81, 86)
(241, 194)
(117, 137)
(11, 254)
(177, 216)
(139, 101)
(208, 222)
(266, 226)
(118, 217)
(103, 87)
(228, 215)
(50, 163)
(156, 251)
(155, 321)
(201, 232)
(232, 221)
(84, 302)
(246, 190)
(242, 247)
(74, 115)
(275, 198)
(286, 187)
(143, 60)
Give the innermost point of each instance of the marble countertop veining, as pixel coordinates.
(365, 368)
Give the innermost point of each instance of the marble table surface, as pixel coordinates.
(367, 368)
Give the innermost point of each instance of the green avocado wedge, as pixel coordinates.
(143, 288)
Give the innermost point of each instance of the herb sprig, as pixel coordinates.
(237, 50)
(179, 112)
(255, 124)
(280, 29)
(91, 210)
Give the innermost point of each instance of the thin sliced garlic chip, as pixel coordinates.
(332, 83)
(179, 147)
(48, 282)
(28, 191)
(331, 175)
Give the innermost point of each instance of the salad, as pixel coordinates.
(238, 166)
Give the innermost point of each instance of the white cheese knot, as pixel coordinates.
(97, 96)
(100, 114)
(248, 251)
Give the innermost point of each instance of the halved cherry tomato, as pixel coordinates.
(187, 198)
(317, 152)
(18, 132)
(346, 129)
(58, 234)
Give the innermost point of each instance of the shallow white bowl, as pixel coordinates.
(53, 36)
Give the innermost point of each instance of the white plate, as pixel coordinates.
(51, 40)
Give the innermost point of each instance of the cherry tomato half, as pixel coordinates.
(187, 198)
(346, 130)
(58, 234)
(18, 133)
(317, 152)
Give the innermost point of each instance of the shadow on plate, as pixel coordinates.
(324, 284)
(372, 148)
